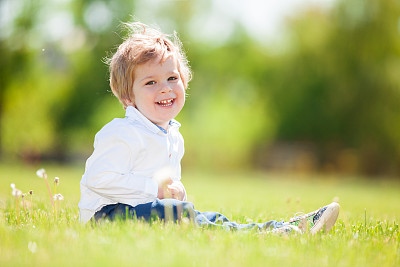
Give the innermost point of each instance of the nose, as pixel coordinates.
(166, 88)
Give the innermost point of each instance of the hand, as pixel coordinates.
(171, 189)
(177, 190)
(163, 191)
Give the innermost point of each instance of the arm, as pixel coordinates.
(108, 172)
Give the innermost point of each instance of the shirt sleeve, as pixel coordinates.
(181, 151)
(108, 172)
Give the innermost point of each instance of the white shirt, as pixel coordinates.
(127, 155)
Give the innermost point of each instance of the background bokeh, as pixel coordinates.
(322, 94)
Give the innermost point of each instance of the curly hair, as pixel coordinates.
(142, 45)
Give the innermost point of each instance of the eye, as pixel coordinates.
(151, 83)
(172, 78)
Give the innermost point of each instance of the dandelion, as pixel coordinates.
(56, 181)
(58, 197)
(42, 174)
(163, 179)
(16, 193)
(32, 246)
(31, 193)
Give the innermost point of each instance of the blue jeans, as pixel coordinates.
(175, 210)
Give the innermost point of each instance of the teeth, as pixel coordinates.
(165, 102)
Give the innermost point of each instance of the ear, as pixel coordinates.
(128, 102)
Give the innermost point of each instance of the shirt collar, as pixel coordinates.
(135, 115)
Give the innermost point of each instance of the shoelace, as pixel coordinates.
(297, 216)
(319, 214)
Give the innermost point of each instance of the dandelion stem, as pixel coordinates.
(31, 208)
(48, 188)
(17, 207)
(23, 203)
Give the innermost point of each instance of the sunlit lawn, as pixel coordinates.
(367, 232)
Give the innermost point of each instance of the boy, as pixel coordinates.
(135, 169)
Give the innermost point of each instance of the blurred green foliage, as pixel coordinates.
(327, 97)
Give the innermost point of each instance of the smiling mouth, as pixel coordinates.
(166, 103)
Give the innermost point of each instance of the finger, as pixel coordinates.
(171, 194)
(167, 193)
(167, 181)
(172, 188)
(175, 192)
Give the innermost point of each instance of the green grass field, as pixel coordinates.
(366, 234)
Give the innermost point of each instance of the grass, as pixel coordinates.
(366, 234)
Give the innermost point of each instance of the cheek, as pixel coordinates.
(182, 99)
(180, 89)
(145, 96)
(183, 96)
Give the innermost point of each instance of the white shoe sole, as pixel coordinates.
(327, 219)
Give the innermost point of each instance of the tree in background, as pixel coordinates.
(333, 93)
(53, 78)
(337, 86)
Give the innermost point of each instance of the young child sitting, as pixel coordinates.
(135, 171)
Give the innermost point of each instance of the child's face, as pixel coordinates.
(158, 90)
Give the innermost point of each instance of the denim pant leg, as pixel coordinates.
(211, 219)
(174, 210)
(164, 209)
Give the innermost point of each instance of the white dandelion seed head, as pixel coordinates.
(56, 180)
(32, 246)
(163, 174)
(58, 197)
(30, 192)
(16, 192)
(41, 173)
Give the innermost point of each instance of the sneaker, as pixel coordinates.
(321, 219)
(287, 229)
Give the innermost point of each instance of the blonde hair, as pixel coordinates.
(142, 45)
